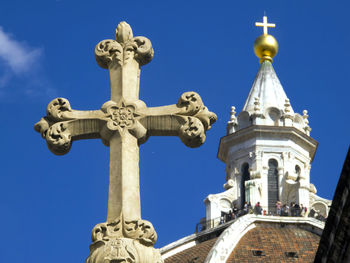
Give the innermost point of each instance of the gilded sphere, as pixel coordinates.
(265, 47)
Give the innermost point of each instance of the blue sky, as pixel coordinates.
(49, 204)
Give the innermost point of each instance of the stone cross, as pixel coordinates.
(264, 24)
(123, 123)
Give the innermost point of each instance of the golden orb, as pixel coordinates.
(265, 47)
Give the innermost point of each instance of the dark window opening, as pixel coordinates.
(297, 171)
(291, 254)
(258, 253)
(193, 260)
(245, 177)
(272, 184)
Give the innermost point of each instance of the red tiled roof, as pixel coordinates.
(274, 243)
(195, 254)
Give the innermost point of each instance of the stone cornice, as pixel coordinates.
(262, 131)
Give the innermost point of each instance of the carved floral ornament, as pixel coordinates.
(124, 48)
(122, 116)
(119, 116)
(140, 230)
(123, 241)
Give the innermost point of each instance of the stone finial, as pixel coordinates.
(257, 116)
(305, 117)
(232, 122)
(123, 32)
(306, 121)
(233, 119)
(288, 113)
(287, 107)
(256, 105)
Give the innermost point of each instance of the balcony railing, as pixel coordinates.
(228, 217)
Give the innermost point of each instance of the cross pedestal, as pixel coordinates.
(123, 123)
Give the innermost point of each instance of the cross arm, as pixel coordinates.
(62, 125)
(189, 119)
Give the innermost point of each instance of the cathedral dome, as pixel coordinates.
(275, 243)
(249, 239)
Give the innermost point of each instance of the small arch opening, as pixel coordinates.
(272, 186)
(245, 177)
(297, 171)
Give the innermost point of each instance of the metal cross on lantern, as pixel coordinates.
(123, 123)
(264, 24)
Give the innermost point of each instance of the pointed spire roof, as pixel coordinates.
(267, 103)
(267, 90)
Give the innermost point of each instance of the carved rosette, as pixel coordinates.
(120, 117)
(127, 242)
(124, 48)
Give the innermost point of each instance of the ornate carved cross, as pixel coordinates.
(123, 123)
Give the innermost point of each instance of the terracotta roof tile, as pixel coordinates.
(273, 243)
(196, 254)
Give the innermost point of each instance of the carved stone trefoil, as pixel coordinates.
(124, 48)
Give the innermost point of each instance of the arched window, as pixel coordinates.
(297, 171)
(272, 186)
(245, 177)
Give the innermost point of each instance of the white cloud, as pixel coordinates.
(21, 71)
(17, 56)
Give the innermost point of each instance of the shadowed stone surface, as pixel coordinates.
(335, 240)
